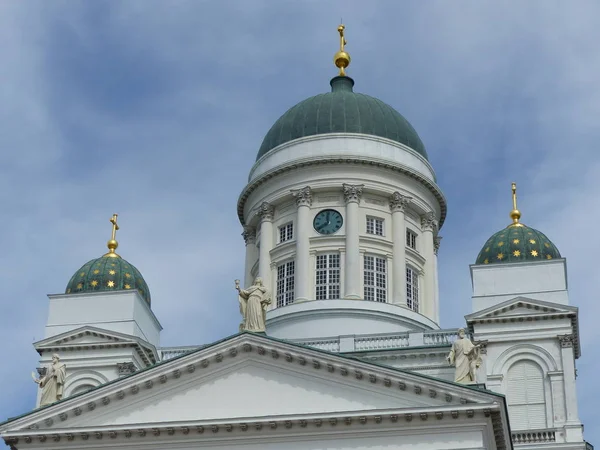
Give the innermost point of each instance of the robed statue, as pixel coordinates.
(253, 306)
(465, 357)
(52, 383)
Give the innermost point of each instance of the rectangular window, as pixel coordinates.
(327, 281)
(285, 284)
(375, 279)
(411, 239)
(286, 232)
(375, 226)
(412, 289)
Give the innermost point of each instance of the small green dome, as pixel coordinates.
(108, 273)
(517, 243)
(341, 111)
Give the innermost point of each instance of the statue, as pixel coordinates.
(253, 306)
(52, 383)
(465, 356)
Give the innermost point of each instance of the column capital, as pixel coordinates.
(436, 244)
(265, 211)
(429, 222)
(303, 196)
(566, 340)
(249, 234)
(399, 202)
(352, 192)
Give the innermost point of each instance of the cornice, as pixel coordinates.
(303, 358)
(361, 160)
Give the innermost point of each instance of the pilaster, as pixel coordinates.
(302, 266)
(429, 227)
(398, 204)
(265, 212)
(352, 196)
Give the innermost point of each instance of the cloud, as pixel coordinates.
(155, 110)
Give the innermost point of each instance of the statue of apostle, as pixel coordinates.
(465, 356)
(52, 383)
(253, 306)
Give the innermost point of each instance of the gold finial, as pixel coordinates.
(112, 244)
(341, 59)
(515, 214)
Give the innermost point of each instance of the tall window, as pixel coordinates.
(525, 396)
(375, 279)
(286, 232)
(328, 276)
(412, 289)
(375, 226)
(411, 239)
(285, 284)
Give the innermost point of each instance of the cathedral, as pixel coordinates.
(339, 343)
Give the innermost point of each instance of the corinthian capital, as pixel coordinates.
(352, 192)
(399, 202)
(303, 196)
(429, 222)
(249, 235)
(265, 211)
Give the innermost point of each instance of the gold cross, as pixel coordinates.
(514, 195)
(343, 42)
(115, 227)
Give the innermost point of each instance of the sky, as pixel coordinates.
(156, 109)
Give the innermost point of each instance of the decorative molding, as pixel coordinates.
(436, 244)
(265, 211)
(303, 196)
(399, 202)
(352, 192)
(125, 368)
(249, 235)
(566, 340)
(429, 222)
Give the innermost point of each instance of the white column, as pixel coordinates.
(436, 304)
(302, 231)
(249, 235)
(265, 212)
(568, 367)
(352, 195)
(428, 227)
(398, 203)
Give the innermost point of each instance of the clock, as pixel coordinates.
(328, 221)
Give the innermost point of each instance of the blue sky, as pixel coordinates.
(156, 109)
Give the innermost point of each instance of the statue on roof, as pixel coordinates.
(52, 383)
(253, 306)
(466, 358)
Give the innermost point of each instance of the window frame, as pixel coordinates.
(285, 230)
(285, 286)
(332, 276)
(411, 239)
(375, 221)
(412, 289)
(372, 278)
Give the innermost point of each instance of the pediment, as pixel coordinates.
(250, 376)
(521, 306)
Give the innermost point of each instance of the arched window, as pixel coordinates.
(525, 396)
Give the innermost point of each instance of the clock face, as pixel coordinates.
(328, 221)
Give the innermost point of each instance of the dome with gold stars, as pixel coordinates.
(108, 273)
(517, 242)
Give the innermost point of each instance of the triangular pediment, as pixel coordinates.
(250, 376)
(521, 306)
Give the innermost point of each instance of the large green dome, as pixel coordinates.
(108, 273)
(341, 111)
(517, 243)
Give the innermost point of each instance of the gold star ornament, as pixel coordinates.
(517, 253)
(532, 241)
(127, 286)
(534, 253)
(516, 241)
(111, 283)
(112, 272)
(94, 283)
(500, 256)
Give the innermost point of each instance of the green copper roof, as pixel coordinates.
(108, 274)
(516, 244)
(341, 111)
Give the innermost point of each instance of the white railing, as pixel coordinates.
(384, 341)
(330, 345)
(172, 352)
(533, 436)
(442, 337)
